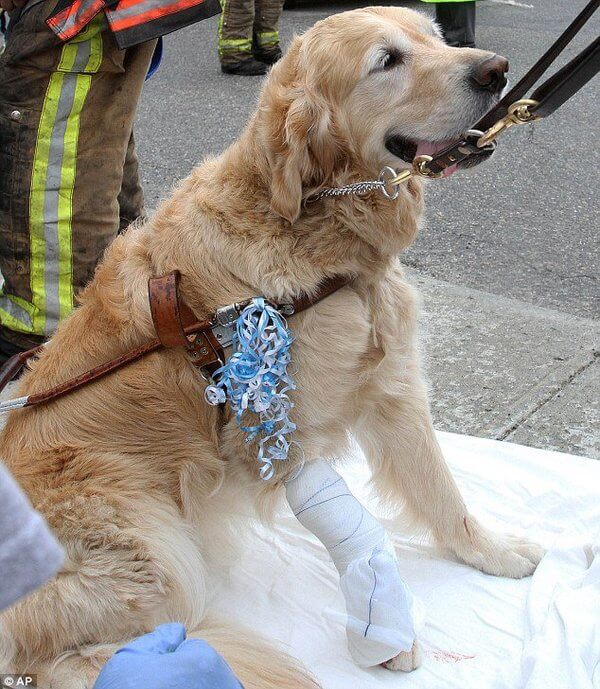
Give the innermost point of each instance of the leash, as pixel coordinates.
(176, 326)
(512, 109)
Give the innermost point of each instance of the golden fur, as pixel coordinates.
(135, 473)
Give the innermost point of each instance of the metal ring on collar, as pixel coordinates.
(386, 175)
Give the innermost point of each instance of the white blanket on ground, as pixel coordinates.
(481, 632)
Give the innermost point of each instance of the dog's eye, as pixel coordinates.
(390, 59)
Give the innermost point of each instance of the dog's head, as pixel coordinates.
(369, 88)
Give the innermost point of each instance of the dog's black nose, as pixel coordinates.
(489, 74)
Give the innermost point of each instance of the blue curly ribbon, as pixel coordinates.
(255, 379)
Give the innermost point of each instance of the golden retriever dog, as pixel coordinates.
(136, 473)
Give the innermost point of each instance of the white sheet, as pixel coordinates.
(481, 632)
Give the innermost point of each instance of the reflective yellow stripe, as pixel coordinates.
(65, 199)
(230, 45)
(67, 57)
(15, 313)
(267, 38)
(37, 245)
(237, 43)
(221, 23)
(53, 179)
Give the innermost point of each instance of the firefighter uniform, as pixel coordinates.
(69, 86)
(248, 27)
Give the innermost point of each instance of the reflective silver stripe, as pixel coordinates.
(14, 310)
(84, 51)
(138, 8)
(53, 187)
(73, 19)
(70, 21)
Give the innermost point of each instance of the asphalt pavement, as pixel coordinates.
(508, 260)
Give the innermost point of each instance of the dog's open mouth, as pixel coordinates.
(408, 149)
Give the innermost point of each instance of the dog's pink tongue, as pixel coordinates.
(430, 148)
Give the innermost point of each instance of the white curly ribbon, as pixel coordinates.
(255, 379)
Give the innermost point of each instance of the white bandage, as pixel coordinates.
(380, 609)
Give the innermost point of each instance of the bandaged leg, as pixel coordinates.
(381, 611)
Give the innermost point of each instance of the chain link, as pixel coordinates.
(358, 188)
(387, 178)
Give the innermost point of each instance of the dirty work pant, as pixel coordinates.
(246, 25)
(68, 169)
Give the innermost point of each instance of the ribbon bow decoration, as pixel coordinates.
(255, 380)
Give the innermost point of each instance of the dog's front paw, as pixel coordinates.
(502, 555)
(406, 661)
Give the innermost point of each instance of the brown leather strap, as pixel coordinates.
(539, 68)
(567, 81)
(326, 288)
(550, 95)
(163, 294)
(176, 325)
(170, 315)
(94, 373)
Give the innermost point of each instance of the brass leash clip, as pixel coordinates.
(518, 113)
(419, 169)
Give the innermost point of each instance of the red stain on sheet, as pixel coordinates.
(447, 656)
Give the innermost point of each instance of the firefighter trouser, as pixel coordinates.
(68, 169)
(246, 25)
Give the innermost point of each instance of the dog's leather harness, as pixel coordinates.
(176, 325)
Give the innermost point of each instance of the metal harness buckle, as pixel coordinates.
(228, 315)
(225, 324)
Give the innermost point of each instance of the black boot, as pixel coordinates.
(457, 21)
(268, 55)
(246, 68)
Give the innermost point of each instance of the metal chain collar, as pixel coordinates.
(383, 184)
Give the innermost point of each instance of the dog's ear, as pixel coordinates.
(293, 162)
(302, 142)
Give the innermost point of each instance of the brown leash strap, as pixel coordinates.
(93, 374)
(539, 68)
(176, 326)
